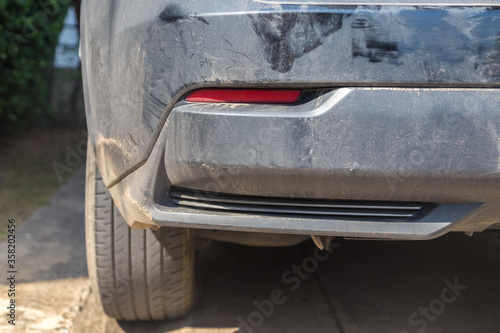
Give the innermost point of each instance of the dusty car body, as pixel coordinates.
(395, 134)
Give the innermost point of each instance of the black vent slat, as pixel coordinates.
(320, 208)
(291, 210)
(273, 202)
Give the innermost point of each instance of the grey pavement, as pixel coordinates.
(451, 284)
(51, 242)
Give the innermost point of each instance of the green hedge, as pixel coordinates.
(29, 31)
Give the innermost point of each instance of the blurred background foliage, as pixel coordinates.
(29, 31)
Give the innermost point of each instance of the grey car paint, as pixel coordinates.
(143, 57)
(415, 82)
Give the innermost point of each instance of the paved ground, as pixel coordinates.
(446, 285)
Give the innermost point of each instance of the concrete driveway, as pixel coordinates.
(445, 285)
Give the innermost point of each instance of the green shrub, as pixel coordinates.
(29, 31)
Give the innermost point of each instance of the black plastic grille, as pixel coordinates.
(372, 210)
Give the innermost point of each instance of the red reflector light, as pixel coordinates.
(243, 96)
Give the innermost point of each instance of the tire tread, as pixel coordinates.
(138, 274)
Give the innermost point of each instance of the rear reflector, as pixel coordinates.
(243, 96)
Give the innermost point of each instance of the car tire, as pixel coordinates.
(136, 274)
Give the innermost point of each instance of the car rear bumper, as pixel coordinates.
(426, 145)
(435, 147)
(138, 60)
